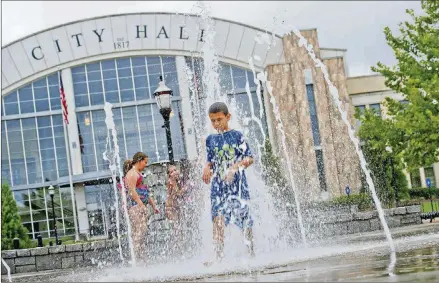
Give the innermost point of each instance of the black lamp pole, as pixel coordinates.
(166, 115)
(52, 194)
(163, 95)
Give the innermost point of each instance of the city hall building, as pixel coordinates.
(119, 59)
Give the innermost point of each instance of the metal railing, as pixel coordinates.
(8, 269)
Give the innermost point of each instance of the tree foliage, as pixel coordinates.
(377, 136)
(11, 222)
(272, 171)
(416, 77)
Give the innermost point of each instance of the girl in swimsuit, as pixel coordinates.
(137, 198)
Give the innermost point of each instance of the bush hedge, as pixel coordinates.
(425, 193)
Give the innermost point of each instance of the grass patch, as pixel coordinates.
(426, 206)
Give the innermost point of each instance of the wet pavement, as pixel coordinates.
(355, 258)
(414, 265)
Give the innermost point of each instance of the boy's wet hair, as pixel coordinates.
(219, 107)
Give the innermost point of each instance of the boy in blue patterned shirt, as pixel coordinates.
(227, 155)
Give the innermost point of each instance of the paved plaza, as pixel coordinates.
(359, 257)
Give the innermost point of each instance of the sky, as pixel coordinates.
(353, 25)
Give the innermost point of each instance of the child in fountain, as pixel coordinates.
(228, 154)
(136, 200)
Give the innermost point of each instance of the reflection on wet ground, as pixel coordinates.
(415, 265)
(359, 258)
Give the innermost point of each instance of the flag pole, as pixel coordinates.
(72, 192)
(66, 139)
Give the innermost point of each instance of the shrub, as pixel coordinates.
(425, 193)
(363, 200)
(11, 222)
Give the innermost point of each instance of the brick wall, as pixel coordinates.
(289, 89)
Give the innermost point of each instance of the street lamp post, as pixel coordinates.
(52, 194)
(163, 95)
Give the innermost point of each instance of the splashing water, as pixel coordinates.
(115, 168)
(111, 158)
(265, 230)
(335, 97)
(280, 127)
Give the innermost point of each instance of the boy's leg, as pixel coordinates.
(247, 224)
(248, 234)
(218, 236)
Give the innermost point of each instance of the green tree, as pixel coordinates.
(11, 222)
(416, 77)
(273, 173)
(377, 136)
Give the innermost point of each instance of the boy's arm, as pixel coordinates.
(207, 172)
(247, 157)
(246, 162)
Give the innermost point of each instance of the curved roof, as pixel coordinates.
(132, 34)
(140, 13)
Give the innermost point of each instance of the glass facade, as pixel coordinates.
(233, 82)
(99, 204)
(35, 209)
(34, 152)
(33, 148)
(40, 95)
(122, 80)
(139, 127)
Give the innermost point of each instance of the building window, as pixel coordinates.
(139, 127)
(37, 151)
(429, 174)
(33, 148)
(321, 169)
(360, 109)
(313, 114)
(316, 136)
(32, 205)
(376, 108)
(6, 171)
(40, 95)
(122, 80)
(233, 81)
(415, 179)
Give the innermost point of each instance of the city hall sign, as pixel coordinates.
(139, 34)
(120, 43)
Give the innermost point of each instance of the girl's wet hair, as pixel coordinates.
(139, 156)
(127, 165)
(219, 107)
